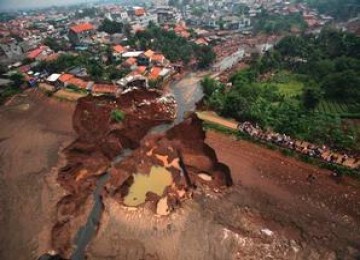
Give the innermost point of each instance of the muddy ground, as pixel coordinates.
(273, 211)
(33, 129)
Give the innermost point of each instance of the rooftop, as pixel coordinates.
(82, 27)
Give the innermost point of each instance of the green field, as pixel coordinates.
(350, 109)
(291, 88)
(287, 83)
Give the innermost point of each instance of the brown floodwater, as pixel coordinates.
(156, 182)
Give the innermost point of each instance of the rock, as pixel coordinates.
(162, 208)
(205, 177)
(267, 232)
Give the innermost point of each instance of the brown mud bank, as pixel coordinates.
(180, 151)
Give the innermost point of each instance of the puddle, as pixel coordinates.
(156, 182)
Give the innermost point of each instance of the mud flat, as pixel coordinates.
(31, 141)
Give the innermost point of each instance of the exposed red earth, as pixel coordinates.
(181, 151)
(272, 210)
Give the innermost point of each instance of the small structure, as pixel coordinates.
(105, 89)
(81, 33)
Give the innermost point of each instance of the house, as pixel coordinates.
(132, 80)
(118, 50)
(104, 89)
(64, 78)
(132, 54)
(79, 83)
(155, 73)
(39, 53)
(149, 53)
(81, 33)
(201, 41)
(159, 59)
(139, 11)
(130, 63)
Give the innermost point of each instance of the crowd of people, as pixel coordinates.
(285, 141)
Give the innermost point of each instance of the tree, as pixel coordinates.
(205, 56)
(17, 79)
(111, 27)
(53, 44)
(312, 95)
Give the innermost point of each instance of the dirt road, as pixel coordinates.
(212, 117)
(33, 129)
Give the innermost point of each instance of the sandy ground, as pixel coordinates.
(33, 130)
(271, 212)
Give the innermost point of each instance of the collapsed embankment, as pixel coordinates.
(180, 151)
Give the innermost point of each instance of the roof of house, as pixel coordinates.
(149, 53)
(141, 69)
(104, 88)
(78, 82)
(130, 61)
(155, 72)
(53, 77)
(139, 11)
(201, 41)
(33, 54)
(158, 57)
(82, 27)
(130, 54)
(65, 77)
(119, 48)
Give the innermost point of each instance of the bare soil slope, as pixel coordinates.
(33, 128)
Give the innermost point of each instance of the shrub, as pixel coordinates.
(117, 115)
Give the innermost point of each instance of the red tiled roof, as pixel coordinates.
(24, 69)
(82, 27)
(65, 77)
(158, 57)
(155, 71)
(139, 11)
(141, 69)
(33, 54)
(104, 88)
(78, 82)
(119, 48)
(131, 61)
